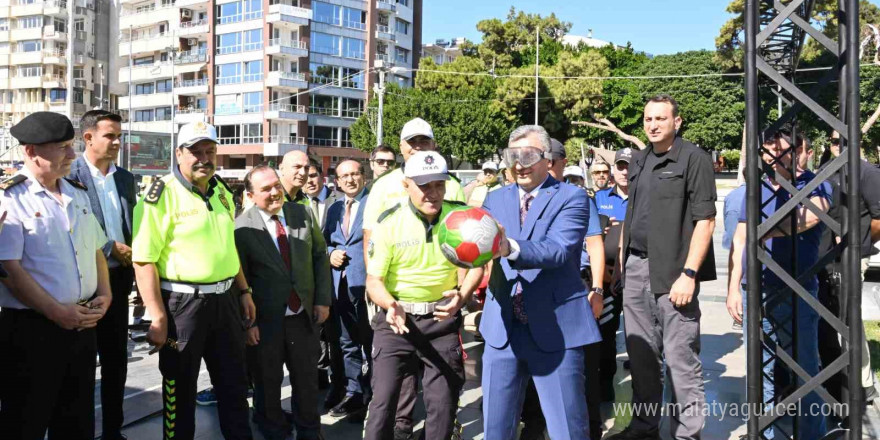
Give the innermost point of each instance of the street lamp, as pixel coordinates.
(382, 69)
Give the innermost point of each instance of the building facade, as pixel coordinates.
(247, 66)
(442, 51)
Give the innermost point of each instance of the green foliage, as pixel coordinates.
(506, 43)
(731, 159)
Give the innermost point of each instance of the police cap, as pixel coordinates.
(43, 128)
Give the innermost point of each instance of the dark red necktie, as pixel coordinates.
(293, 301)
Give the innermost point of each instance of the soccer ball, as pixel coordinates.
(469, 237)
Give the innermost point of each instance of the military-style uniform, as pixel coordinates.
(404, 249)
(190, 238)
(47, 373)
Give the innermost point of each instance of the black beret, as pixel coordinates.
(43, 128)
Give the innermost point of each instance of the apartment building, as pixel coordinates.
(247, 65)
(442, 51)
(54, 56)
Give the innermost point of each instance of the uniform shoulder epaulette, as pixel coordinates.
(155, 191)
(76, 184)
(388, 212)
(12, 181)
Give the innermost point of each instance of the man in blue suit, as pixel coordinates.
(344, 236)
(538, 314)
(113, 194)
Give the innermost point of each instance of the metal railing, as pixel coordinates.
(192, 83)
(191, 111)
(229, 80)
(192, 56)
(192, 24)
(145, 10)
(322, 142)
(225, 50)
(355, 25)
(289, 108)
(292, 10)
(296, 44)
(253, 77)
(254, 45)
(295, 140)
(245, 16)
(294, 76)
(143, 37)
(323, 111)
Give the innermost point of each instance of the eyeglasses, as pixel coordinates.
(526, 156)
(597, 172)
(384, 162)
(353, 175)
(835, 141)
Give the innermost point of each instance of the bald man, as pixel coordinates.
(294, 173)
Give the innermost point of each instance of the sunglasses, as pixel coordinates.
(384, 162)
(597, 172)
(526, 156)
(835, 141)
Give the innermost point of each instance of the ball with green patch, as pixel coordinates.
(469, 237)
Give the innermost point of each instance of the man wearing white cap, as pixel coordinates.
(574, 175)
(485, 185)
(420, 294)
(387, 191)
(186, 264)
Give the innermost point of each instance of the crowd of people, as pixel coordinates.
(348, 289)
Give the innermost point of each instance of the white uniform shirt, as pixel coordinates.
(54, 241)
(108, 196)
(271, 227)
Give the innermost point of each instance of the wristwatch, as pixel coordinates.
(690, 273)
(249, 291)
(598, 290)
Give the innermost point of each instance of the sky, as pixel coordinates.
(655, 27)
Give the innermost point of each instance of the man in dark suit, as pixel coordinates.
(113, 194)
(284, 258)
(539, 315)
(344, 233)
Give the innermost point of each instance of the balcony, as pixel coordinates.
(190, 3)
(145, 72)
(193, 28)
(146, 44)
(287, 80)
(26, 82)
(83, 83)
(22, 10)
(191, 57)
(54, 82)
(281, 145)
(140, 17)
(286, 112)
(192, 87)
(386, 59)
(55, 8)
(247, 16)
(34, 33)
(289, 14)
(34, 57)
(386, 5)
(288, 48)
(384, 33)
(188, 115)
(146, 101)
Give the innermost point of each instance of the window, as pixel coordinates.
(57, 95)
(325, 43)
(354, 48)
(401, 55)
(352, 107)
(251, 133)
(323, 74)
(401, 26)
(4, 47)
(163, 86)
(143, 61)
(227, 104)
(144, 89)
(163, 114)
(30, 22)
(354, 18)
(322, 136)
(228, 43)
(60, 25)
(253, 39)
(228, 13)
(79, 25)
(30, 46)
(144, 115)
(325, 13)
(324, 105)
(30, 70)
(253, 9)
(4, 24)
(253, 71)
(353, 78)
(403, 2)
(253, 102)
(229, 73)
(78, 96)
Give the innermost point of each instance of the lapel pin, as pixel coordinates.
(37, 214)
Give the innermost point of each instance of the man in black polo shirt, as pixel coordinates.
(666, 250)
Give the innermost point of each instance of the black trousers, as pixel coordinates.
(47, 379)
(609, 322)
(205, 326)
(112, 335)
(434, 345)
(829, 345)
(299, 349)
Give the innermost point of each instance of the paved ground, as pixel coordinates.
(723, 357)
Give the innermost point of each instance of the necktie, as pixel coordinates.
(519, 308)
(314, 204)
(293, 301)
(347, 217)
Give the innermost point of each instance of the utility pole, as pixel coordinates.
(537, 67)
(130, 95)
(380, 90)
(71, 34)
(101, 86)
(172, 50)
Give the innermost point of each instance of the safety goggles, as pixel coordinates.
(526, 156)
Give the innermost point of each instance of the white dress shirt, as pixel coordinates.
(271, 227)
(514, 246)
(55, 241)
(108, 196)
(354, 210)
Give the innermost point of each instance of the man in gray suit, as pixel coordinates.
(112, 194)
(284, 258)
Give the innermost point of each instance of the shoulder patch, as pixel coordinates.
(388, 212)
(76, 183)
(155, 192)
(12, 181)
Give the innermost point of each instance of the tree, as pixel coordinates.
(504, 41)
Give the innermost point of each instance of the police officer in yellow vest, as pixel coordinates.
(420, 293)
(488, 184)
(186, 265)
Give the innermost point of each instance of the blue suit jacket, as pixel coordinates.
(355, 269)
(550, 241)
(125, 186)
